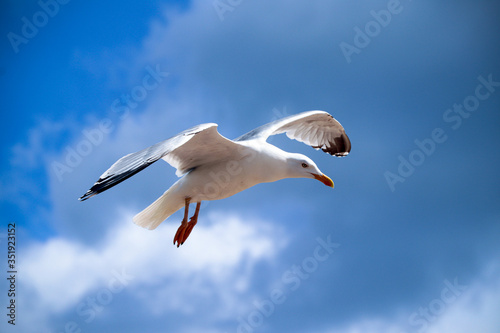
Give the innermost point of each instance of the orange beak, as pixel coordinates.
(324, 179)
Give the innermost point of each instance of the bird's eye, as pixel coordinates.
(304, 165)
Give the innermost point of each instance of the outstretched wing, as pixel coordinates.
(315, 128)
(198, 145)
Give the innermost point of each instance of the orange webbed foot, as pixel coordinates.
(185, 228)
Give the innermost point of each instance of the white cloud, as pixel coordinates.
(477, 310)
(217, 260)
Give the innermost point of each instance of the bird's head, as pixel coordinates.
(301, 166)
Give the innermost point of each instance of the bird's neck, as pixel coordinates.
(271, 164)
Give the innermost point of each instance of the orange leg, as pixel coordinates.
(192, 222)
(186, 227)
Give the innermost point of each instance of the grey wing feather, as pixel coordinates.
(182, 159)
(315, 128)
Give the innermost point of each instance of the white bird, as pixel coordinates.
(214, 167)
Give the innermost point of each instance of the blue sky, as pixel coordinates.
(406, 242)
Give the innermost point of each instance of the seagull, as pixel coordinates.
(213, 167)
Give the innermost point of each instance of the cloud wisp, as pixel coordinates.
(222, 252)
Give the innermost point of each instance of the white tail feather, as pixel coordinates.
(158, 211)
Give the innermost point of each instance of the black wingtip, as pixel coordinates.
(87, 195)
(341, 146)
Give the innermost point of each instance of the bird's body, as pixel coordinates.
(214, 168)
(251, 165)
(247, 167)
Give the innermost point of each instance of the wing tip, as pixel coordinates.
(340, 147)
(87, 195)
